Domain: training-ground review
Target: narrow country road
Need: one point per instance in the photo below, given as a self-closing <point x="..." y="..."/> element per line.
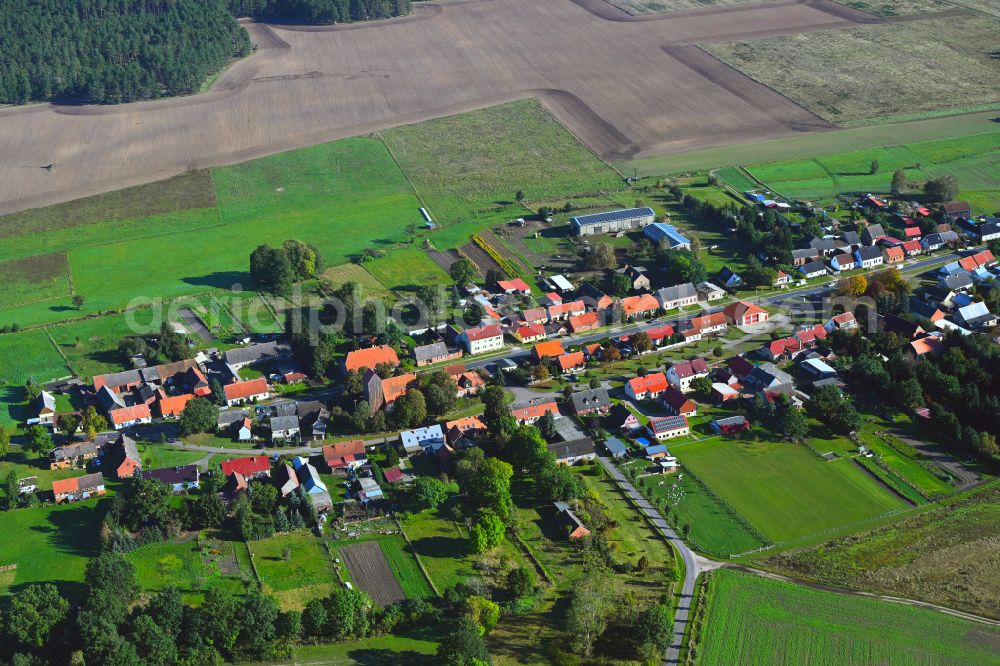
<point x="693" y="564"/>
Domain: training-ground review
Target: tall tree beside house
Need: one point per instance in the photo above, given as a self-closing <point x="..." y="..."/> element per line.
<point x="37" y="440"/>
<point x="463" y="272"/>
<point x="171" y="345"/>
<point x="898" y="181"/>
<point x="621" y="285"/>
<point x="199" y="415"/>
<point x="591" y="603"/>
<point x="497" y="417"/>
<point x="547" y="426"/>
<point x="11" y="491"/>
<point x="271" y="270"/>
<point x="792" y="423"/>
<point x="641" y="342"/>
<point x="410" y="409"/>
<point x="68" y="423"/>
<point x="943" y="188"/>
<point x="428" y="492"/>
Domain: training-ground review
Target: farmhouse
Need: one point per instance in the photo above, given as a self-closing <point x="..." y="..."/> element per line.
<point x="804" y="256"/>
<point x="78" y="454"/>
<point x="573" y="451"/>
<point x="370" y="357"/>
<point x="638" y="306"/>
<point x="637" y="275"/>
<point x="482" y="339"/>
<point x="549" y="349"/>
<point x="680" y="375"/>
<point x="569" y="523"/>
<point x="122" y="457"/>
<point x="435" y="352"/>
<point x="528" y="414"/>
<point x="529" y="333"/>
<point x="46" y="406"/>
<point x="868" y="257"/>
<point x="264" y="352"/>
<point x="427" y="438"/>
<point x="178" y="479"/>
<point x="344" y="456"/>
<point x="871" y="234"/>
<point x="594" y="298"/>
<point x="561" y="311"/>
<point x="78" y="488"/>
<point x="709" y="323"/>
<point x="678" y="296"/>
<point x="958" y="209"/>
<point x="668" y="428"/>
<point x="744" y="313"/>
<point x="592" y="401"/>
<point x="666" y="235"/>
<point x="254" y="467"/>
<point x="571" y="362"/>
<point x="645" y="388"/>
<point x="679" y="405"/>
<point x="249" y="391"/>
<point x="584" y="322"/>
<point x="844" y="321"/>
<point x="284" y="428"/>
<point x="843" y="262"/>
<point x="813" y="269"/>
<point x="515" y="286"/>
<point x="611" y="221"/>
<point x="381" y="392"/>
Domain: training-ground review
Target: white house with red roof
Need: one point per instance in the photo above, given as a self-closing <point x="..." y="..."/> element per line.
<point x="647" y="387"/>
<point x="482" y="339"/>
<point x="680" y="375"/>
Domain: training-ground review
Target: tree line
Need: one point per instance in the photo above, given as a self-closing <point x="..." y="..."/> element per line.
<point x="113" y="51"/>
<point x="320" y="11"/>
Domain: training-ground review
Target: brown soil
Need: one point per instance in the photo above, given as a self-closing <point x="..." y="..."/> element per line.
<point x="370" y="571"/>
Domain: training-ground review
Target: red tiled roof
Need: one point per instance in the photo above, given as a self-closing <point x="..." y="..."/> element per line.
<point x="534" y="315"/>
<point x="660" y="333"/>
<point x="968" y="263"/>
<point x="355" y="447"/>
<point x="573" y="307"/>
<point x="517" y="284"/>
<point x="912" y="246"/>
<point x="740" y="309"/>
<point x="534" y="411"/>
<point x="654" y="383"/>
<point x="245" y="390"/>
<point x="641" y="303"/>
<point x="696" y="366"/>
<point x="370" y="357"/>
<point x="843" y="318"/>
<point x="530" y="331"/>
<point x="912" y="232"/>
<point x="547" y="348"/>
<point x="584" y="322"/>
<point x="246" y="466"/>
<point x="129" y="414"/>
<point x="571" y="360"/>
<point x="394" y="388"/>
<point x="483" y="332"/>
<point x="77" y="483"/>
<point x="174" y="405"/>
<point x="466" y="423"/>
<point x="393" y="475"/>
<point x="709" y="321"/>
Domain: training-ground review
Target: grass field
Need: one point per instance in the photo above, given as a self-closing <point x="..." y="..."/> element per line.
<point x="193" y="565"/>
<point x="917" y="557"/>
<point x="785" y="490"/>
<point x="337" y="276"/>
<point x="751" y="619"/>
<point x="406" y="269"/>
<point x="50" y="544"/>
<point x="389" y="649"/>
<point x="402" y="563"/>
<point x="294" y="567"/>
<point x="974" y="160"/>
<point x="91" y="345"/>
<point x="29" y="355"/>
<point x="880" y="70"/>
<point x="476" y="162"/>
<point x="714" y="530"/>
<point x="443" y="549"/>
<point x="33" y="279"/>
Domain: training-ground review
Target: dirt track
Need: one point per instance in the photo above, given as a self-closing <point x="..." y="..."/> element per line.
<point x="627" y="87"/>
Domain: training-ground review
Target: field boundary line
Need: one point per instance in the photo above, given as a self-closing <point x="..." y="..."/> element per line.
<point x="730" y="509"/>
<point x="534" y="558"/>
<point x="253" y="564"/>
<point x="409" y="181"/>
<point x="416" y="556"/>
<point x="60" y="352"/>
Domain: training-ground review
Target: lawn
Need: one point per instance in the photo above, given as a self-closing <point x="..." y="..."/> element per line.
<point x="442" y="547"/>
<point x="402" y="562"/>
<point x="91" y="345"/>
<point x="370" y="287"/>
<point x="476" y="162"/>
<point x="406" y="269"/>
<point x="714" y="528"/>
<point x="784" y="490"/>
<point x="50" y="544"/>
<point x="877" y="70"/>
<point x="194" y="565"/>
<point x="29" y="355"/>
<point x="389" y="649"/>
<point x="155" y="456"/>
<point x="751" y="619"/>
<point x="918" y="557"/>
<point x="294" y="567"/>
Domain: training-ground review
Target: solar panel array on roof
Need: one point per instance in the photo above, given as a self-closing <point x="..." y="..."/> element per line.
<point x="611" y="216"/>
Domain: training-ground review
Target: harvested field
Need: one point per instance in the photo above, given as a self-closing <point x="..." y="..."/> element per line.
<point x="640" y="7"/>
<point x="478" y="256"/>
<point x="444" y="259"/>
<point x="371" y="573"/>
<point x="306" y="86"/>
<point x="879" y="70"/>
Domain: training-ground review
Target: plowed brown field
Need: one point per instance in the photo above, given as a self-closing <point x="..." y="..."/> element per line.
<point x="625" y="87"/>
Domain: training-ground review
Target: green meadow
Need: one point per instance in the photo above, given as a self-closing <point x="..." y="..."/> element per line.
<point x="751" y="619"/>
<point x="785" y="490"/>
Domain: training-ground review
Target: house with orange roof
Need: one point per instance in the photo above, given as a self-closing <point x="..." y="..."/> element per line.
<point x="584" y="322"/>
<point x="126" y="417"/>
<point x="648" y="387"/>
<point x="912" y="248"/>
<point x="253" y="467"/>
<point x="931" y="344"/>
<point x="710" y="323"/>
<point x="515" y="286"/>
<point x="482" y="339"/>
<point x="343" y="456"/>
<point x="370" y="357"/>
<point x="572" y="362"/>
<point x="381" y="392"/>
<point x="843" y="321"/>
<point x="550" y="348"/>
<point x="248" y="391"/>
<point x="894" y="255"/>
<point x="171" y="406"/>
<point x="562" y="311"/>
<point x="469" y="383"/>
<point x="78" y="488"/>
<point x="639" y="306"/>
<point x="744" y="313"/>
<point x="529" y="333"/>
<point x="530" y="413"/>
